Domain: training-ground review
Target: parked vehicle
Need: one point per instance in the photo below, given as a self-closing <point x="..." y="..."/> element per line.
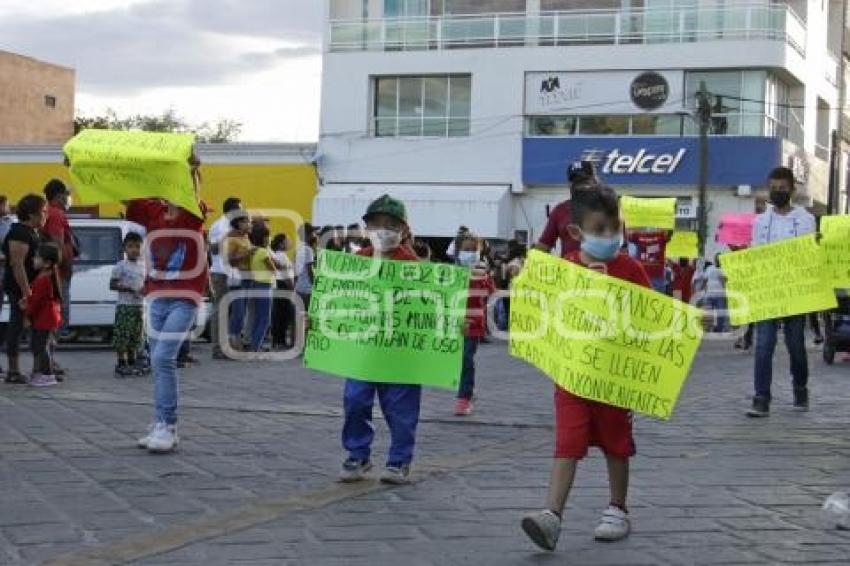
<point x="92" y="303"/>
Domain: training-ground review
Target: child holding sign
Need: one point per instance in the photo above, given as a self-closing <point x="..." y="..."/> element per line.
<point x="480" y="288"/>
<point x="386" y="226"/>
<point x="580" y="423"/>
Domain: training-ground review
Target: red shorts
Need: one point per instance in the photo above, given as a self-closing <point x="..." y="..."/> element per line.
<point x="580" y="423"/>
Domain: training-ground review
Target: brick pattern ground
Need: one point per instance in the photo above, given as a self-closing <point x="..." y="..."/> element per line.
<point x="708" y="487"/>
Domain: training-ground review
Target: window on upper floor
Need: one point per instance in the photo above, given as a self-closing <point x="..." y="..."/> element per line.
<point x="743" y="103"/>
<point x="422" y="106"/>
<point x="606" y="125"/>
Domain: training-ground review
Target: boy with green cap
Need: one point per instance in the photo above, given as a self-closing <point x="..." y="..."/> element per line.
<point x="387" y="229"/>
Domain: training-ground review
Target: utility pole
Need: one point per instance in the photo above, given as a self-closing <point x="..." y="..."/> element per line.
<point x="704" y="119"/>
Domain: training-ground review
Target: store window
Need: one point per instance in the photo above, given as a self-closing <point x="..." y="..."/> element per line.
<point x="426" y="106"/>
<point x="743" y="103"/>
<point x="611" y="125"/>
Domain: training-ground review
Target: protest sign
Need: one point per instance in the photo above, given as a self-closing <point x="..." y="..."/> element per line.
<point x="387" y="321"/>
<point x="736" y="229"/>
<point x="649" y="212"/>
<point x="836" y="247"/>
<point x="603" y="338"/>
<point x="112" y="166"/>
<point x="777" y="280"/>
<point x="683" y="245"/>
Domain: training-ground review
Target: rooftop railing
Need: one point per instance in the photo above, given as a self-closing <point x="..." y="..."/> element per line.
<point x="743" y="21"/>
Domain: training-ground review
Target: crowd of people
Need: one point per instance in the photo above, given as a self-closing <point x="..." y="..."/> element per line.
<point x="239" y="264"/>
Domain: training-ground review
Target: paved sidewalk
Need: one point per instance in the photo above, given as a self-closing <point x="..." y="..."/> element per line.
<point x="254" y="479"/>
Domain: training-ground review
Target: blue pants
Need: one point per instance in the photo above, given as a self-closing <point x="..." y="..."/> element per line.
<point x="170" y="322"/>
<point x="717" y="302"/>
<point x="794" y="328"/>
<point x="262" y="315"/>
<point x="467" y="372"/>
<point x="237" y="312"/>
<point x="400" y="405"/>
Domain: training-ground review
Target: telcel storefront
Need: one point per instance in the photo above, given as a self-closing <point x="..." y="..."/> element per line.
<point x="660" y="166"/>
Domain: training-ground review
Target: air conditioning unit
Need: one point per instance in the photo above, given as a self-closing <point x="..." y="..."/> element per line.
<point x="744" y="190"/>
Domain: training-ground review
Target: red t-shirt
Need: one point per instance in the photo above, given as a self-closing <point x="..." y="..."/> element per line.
<point x="556" y="229"/>
<point x="651" y="248"/>
<point x="682" y="279"/>
<point x="480" y="289"/>
<point x="43" y="307"/>
<point x="57" y="228"/>
<point x="178" y="261"/>
<point x="622" y="267"/>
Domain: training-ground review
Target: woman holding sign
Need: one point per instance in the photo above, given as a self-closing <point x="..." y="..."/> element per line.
<point x="174" y="288"/>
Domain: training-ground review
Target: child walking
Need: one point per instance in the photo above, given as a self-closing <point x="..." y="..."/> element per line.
<point x="128" y="278"/>
<point x="386" y="225"/>
<point x="580" y="423"/>
<point x="44" y="311"/>
<point x="480" y="288"/>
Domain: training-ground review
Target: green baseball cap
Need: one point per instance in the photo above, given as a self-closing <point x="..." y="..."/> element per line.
<point x="387" y="205"/>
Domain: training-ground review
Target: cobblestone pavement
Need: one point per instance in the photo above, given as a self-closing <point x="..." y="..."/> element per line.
<point x="254" y="479"/>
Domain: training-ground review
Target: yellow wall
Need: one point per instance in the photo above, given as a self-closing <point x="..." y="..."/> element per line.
<point x="261" y="187"/>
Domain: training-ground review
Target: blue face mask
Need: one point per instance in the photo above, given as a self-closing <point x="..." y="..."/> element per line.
<point x="603" y="248"/>
<point x="467" y="259"/>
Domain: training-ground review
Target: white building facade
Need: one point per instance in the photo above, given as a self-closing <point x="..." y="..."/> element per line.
<point x="470" y="111"/>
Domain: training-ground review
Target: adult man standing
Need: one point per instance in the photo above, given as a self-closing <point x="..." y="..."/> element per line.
<point x="57" y="230"/>
<point x="781" y="222"/>
<point x="579" y="174"/>
<point x="221" y="271"/>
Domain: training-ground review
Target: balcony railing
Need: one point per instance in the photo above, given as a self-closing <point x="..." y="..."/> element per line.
<point x="575" y="27"/>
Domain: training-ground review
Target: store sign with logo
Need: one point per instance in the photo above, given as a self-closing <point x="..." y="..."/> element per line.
<point x="604" y="92"/>
<point x="652" y="160"/>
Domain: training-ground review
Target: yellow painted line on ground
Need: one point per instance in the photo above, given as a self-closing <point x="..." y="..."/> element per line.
<point x="146" y="545"/>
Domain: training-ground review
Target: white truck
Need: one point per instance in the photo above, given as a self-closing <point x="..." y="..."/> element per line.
<point x="92" y="303"/>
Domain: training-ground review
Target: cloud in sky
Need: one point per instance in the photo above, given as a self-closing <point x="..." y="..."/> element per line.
<point x="257" y="61"/>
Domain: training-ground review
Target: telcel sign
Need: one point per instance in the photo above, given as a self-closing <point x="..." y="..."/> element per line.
<point x="641" y="163"/>
<point x="650" y="160"/>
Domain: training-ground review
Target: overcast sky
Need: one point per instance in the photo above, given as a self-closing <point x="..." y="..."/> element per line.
<point x="255" y="61"/>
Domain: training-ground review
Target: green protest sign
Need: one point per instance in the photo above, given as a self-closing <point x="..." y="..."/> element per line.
<point x="387" y="321"/>
<point x="836" y="248"/>
<point x="113" y="166"/>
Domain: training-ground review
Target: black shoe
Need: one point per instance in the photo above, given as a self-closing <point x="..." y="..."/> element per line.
<point x="760" y="409"/>
<point x="801" y="399"/>
<point x="16" y="378"/>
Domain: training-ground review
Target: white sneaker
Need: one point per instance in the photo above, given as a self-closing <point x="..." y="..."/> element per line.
<point x="43" y="380"/>
<point x="143" y="441"/>
<point x="543" y="528"/>
<point x="614" y="525"/>
<point x="162" y="439"/>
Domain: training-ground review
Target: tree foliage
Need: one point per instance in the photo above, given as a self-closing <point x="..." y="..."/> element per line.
<point x="222" y="130"/>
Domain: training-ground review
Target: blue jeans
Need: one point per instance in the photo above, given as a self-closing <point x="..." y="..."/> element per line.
<point x="717" y="302"/>
<point x="237" y="312"/>
<point x="262" y="314"/>
<point x="794" y="328"/>
<point x="400" y="405"/>
<point x="467" y="372"/>
<point x="659" y="284"/>
<point x="173" y="318"/>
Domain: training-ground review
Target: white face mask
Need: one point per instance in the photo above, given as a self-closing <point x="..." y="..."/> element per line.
<point x="384" y="240"/>
<point x="467" y="259"/>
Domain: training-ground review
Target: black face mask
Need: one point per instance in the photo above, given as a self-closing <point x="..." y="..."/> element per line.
<point x="780" y="199"/>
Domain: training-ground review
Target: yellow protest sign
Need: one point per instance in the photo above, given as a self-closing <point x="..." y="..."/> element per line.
<point x="683" y="245"/>
<point x="603" y="338"/>
<point x="649" y="212"/>
<point x="777" y="280"/>
<point x="836" y="247"/>
<point x="112" y="166"/>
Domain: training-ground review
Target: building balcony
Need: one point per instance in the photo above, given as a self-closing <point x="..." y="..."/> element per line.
<point x="742" y="21"/>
